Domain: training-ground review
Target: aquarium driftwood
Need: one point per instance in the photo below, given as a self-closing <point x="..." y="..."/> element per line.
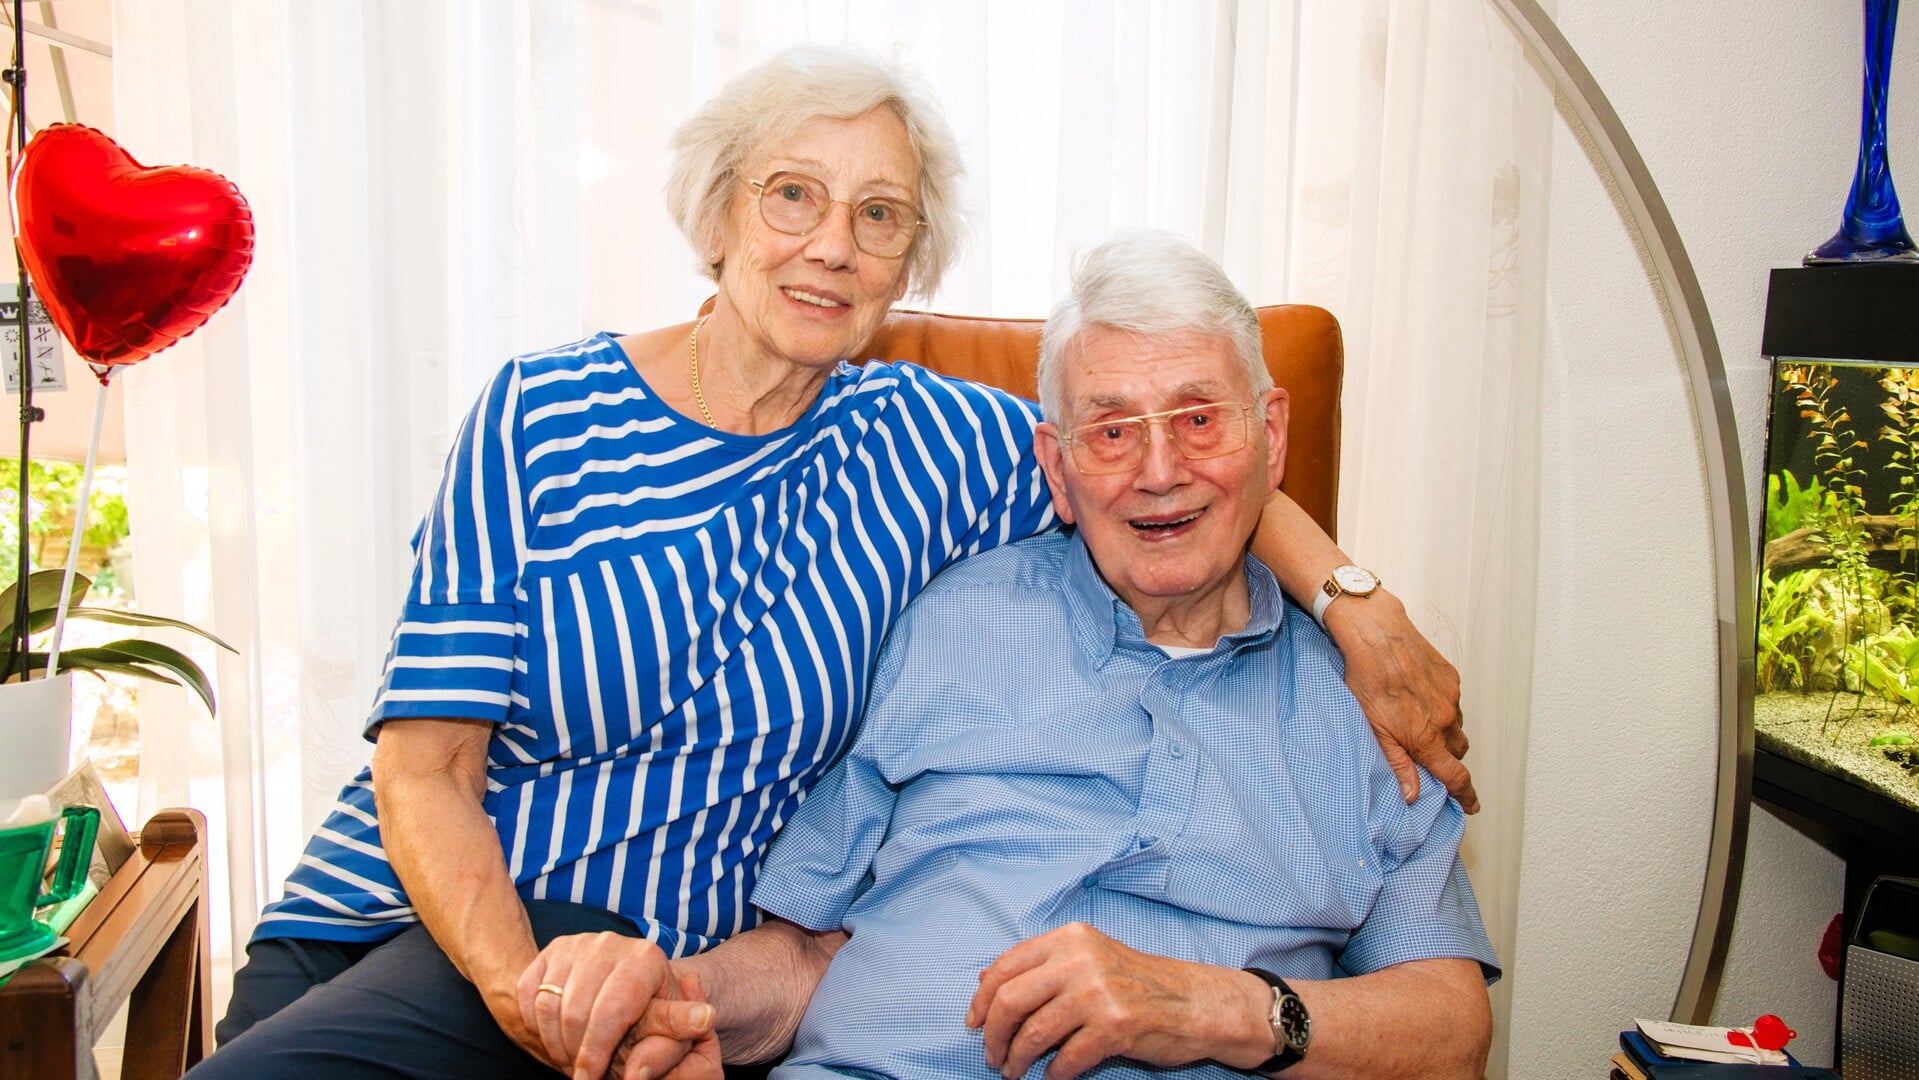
<point x="1885" y="545"/>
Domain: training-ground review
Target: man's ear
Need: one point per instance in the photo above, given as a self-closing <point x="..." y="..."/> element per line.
<point x="1052" y="462"/>
<point x="1277" y="411"/>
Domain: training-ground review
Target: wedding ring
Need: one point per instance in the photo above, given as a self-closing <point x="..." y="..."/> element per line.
<point x="549" y="988"/>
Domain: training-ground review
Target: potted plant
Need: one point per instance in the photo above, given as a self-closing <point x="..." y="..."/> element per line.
<point x="30" y="710"/>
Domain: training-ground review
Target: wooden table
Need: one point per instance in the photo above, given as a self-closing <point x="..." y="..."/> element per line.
<point x="142" y="941"/>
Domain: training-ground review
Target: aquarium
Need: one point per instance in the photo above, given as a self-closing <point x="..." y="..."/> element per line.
<point x="1837" y="657"/>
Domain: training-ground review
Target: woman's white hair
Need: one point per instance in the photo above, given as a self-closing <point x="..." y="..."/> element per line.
<point x="1153" y="284"/>
<point x="769" y="102"/>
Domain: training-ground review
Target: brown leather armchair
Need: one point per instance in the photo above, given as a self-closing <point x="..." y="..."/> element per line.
<point x="1303" y="350"/>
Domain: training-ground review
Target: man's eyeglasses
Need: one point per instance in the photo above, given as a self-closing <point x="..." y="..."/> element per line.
<point x="795" y="204"/>
<point x="1198" y="432"/>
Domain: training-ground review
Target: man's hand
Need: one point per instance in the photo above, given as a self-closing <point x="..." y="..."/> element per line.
<point x="1093" y="998"/>
<point x="1409" y="692"/>
<point x="616" y="996"/>
<point x="666" y="1056"/>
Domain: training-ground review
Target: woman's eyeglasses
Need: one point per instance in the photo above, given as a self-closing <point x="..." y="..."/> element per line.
<point x="1198" y="432"/>
<point x="795" y="204"/>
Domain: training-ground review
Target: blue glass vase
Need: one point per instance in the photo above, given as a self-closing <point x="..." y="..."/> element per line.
<point x="1873" y="229"/>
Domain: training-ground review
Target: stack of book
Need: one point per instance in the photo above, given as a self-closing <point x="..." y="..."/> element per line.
<point x="1659" y="1051"/>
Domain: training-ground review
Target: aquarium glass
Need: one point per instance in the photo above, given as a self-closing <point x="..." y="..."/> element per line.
<point x="1838" y="651"/>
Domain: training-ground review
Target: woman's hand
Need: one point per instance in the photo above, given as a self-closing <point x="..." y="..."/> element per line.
<point x="1409" y="692"/>
<point x="594" y="1000"/>
<point x="429" y="780"/>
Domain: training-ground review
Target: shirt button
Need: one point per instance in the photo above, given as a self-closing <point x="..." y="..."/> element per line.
<point x="1091" y="882"/>
<point x="1147" y="841"/>
<point x="1178" y="750"/>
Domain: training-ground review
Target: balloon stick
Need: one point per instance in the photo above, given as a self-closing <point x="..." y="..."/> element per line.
<point x="79" y="522"/>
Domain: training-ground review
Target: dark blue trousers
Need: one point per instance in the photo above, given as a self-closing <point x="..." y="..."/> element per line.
<point x="388" y="1010"/>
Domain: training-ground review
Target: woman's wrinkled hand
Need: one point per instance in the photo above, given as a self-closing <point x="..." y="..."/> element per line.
<point x="1409" y="693"/>
<point x="588" y="997"/>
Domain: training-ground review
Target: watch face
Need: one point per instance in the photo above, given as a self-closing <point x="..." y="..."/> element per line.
<point x="1294" y="1024"/>
<point x="1355" y="579"/>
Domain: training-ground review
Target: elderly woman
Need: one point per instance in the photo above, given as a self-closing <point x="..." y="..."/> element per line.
<point x="648" y="598"/>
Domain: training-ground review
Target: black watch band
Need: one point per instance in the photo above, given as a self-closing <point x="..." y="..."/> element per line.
<point x="1292" y="1028"/>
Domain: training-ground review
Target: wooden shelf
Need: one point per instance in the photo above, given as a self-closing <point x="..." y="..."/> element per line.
<point x="141" y="942"/>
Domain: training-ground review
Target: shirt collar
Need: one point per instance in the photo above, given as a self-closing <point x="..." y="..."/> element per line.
<point x="1101" y="623"/>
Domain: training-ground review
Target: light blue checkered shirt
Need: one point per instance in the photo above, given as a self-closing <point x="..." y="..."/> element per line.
<point x="1029" y="760"/>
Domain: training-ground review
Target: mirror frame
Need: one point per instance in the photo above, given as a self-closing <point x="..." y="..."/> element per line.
<point x="1624" y="173"/>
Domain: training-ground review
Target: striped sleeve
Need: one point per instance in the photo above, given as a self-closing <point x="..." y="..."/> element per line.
<point x="452" y="652"/>
<point x="999" y="491"/>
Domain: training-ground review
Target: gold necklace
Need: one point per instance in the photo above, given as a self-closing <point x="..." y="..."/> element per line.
<point x="693" y="356"/>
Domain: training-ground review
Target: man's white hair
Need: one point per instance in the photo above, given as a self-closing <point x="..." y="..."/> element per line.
<point x="1153" y="284"/>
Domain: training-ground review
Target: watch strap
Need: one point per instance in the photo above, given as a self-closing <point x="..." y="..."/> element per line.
<point x="1328" y="592"/>
<point x="1331" y="590"/>
<point x="1286" y="1054"/>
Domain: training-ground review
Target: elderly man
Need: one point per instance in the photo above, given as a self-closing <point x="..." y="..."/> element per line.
<point x="1071" y="826"/>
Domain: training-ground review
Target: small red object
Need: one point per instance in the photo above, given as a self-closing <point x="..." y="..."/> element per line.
<point x="1768" y="1033"/>
<point x="1771" y="1033"/>
<point x="1829" y="947"/>
<point x="127" y="259"/>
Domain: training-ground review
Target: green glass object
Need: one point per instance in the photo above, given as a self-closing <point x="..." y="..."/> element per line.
<point x="23" y="861"/>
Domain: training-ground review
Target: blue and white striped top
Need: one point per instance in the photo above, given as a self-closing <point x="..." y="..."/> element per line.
<point x="671" y="627"/>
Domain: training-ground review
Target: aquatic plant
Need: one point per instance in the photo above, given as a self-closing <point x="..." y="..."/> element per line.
<point x="1899" y="748"/>
<point x="1901" y="407"/>
<point x="1889" y="664"/>
<point x="1790" y="625"/>
<point x="1835" y="448"/>
<point x="1790" y="507"/>
<point x="1799" y="646"/>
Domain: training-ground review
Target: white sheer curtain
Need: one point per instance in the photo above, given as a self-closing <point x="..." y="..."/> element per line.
<point x="439" y="185"/>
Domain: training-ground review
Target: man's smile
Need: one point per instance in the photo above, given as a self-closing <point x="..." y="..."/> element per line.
<point x="1161" y="526"/>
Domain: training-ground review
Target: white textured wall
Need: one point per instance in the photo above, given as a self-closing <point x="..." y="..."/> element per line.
<point x="1746" y="114"/>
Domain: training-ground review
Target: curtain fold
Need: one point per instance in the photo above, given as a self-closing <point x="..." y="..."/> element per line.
<point x="1424" y="154"/>
<point x="439" y="185"/>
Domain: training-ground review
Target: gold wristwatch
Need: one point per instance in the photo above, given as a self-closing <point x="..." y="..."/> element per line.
<point x="1348" y="580"/>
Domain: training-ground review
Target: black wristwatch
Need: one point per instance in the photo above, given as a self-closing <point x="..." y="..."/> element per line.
<point x="1292" y="1028"/>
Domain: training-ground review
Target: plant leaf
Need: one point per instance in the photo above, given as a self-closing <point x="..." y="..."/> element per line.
<point x="43" y="595"/>
<point x="137" y="618"/>
<point x="151" y="654"/>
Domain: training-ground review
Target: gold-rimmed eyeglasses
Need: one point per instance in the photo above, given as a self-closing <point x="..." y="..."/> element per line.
<point x="1198" y="432"/>
<point x="795" y="204"/>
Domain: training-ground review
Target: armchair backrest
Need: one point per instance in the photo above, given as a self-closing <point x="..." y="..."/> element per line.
<point x="1303" y="350"/>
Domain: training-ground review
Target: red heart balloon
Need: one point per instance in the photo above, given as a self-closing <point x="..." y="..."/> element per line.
<point x="127" y="259"/>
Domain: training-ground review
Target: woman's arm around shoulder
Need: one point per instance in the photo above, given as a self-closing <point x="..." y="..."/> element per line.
<point x="1409" y="692"/>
